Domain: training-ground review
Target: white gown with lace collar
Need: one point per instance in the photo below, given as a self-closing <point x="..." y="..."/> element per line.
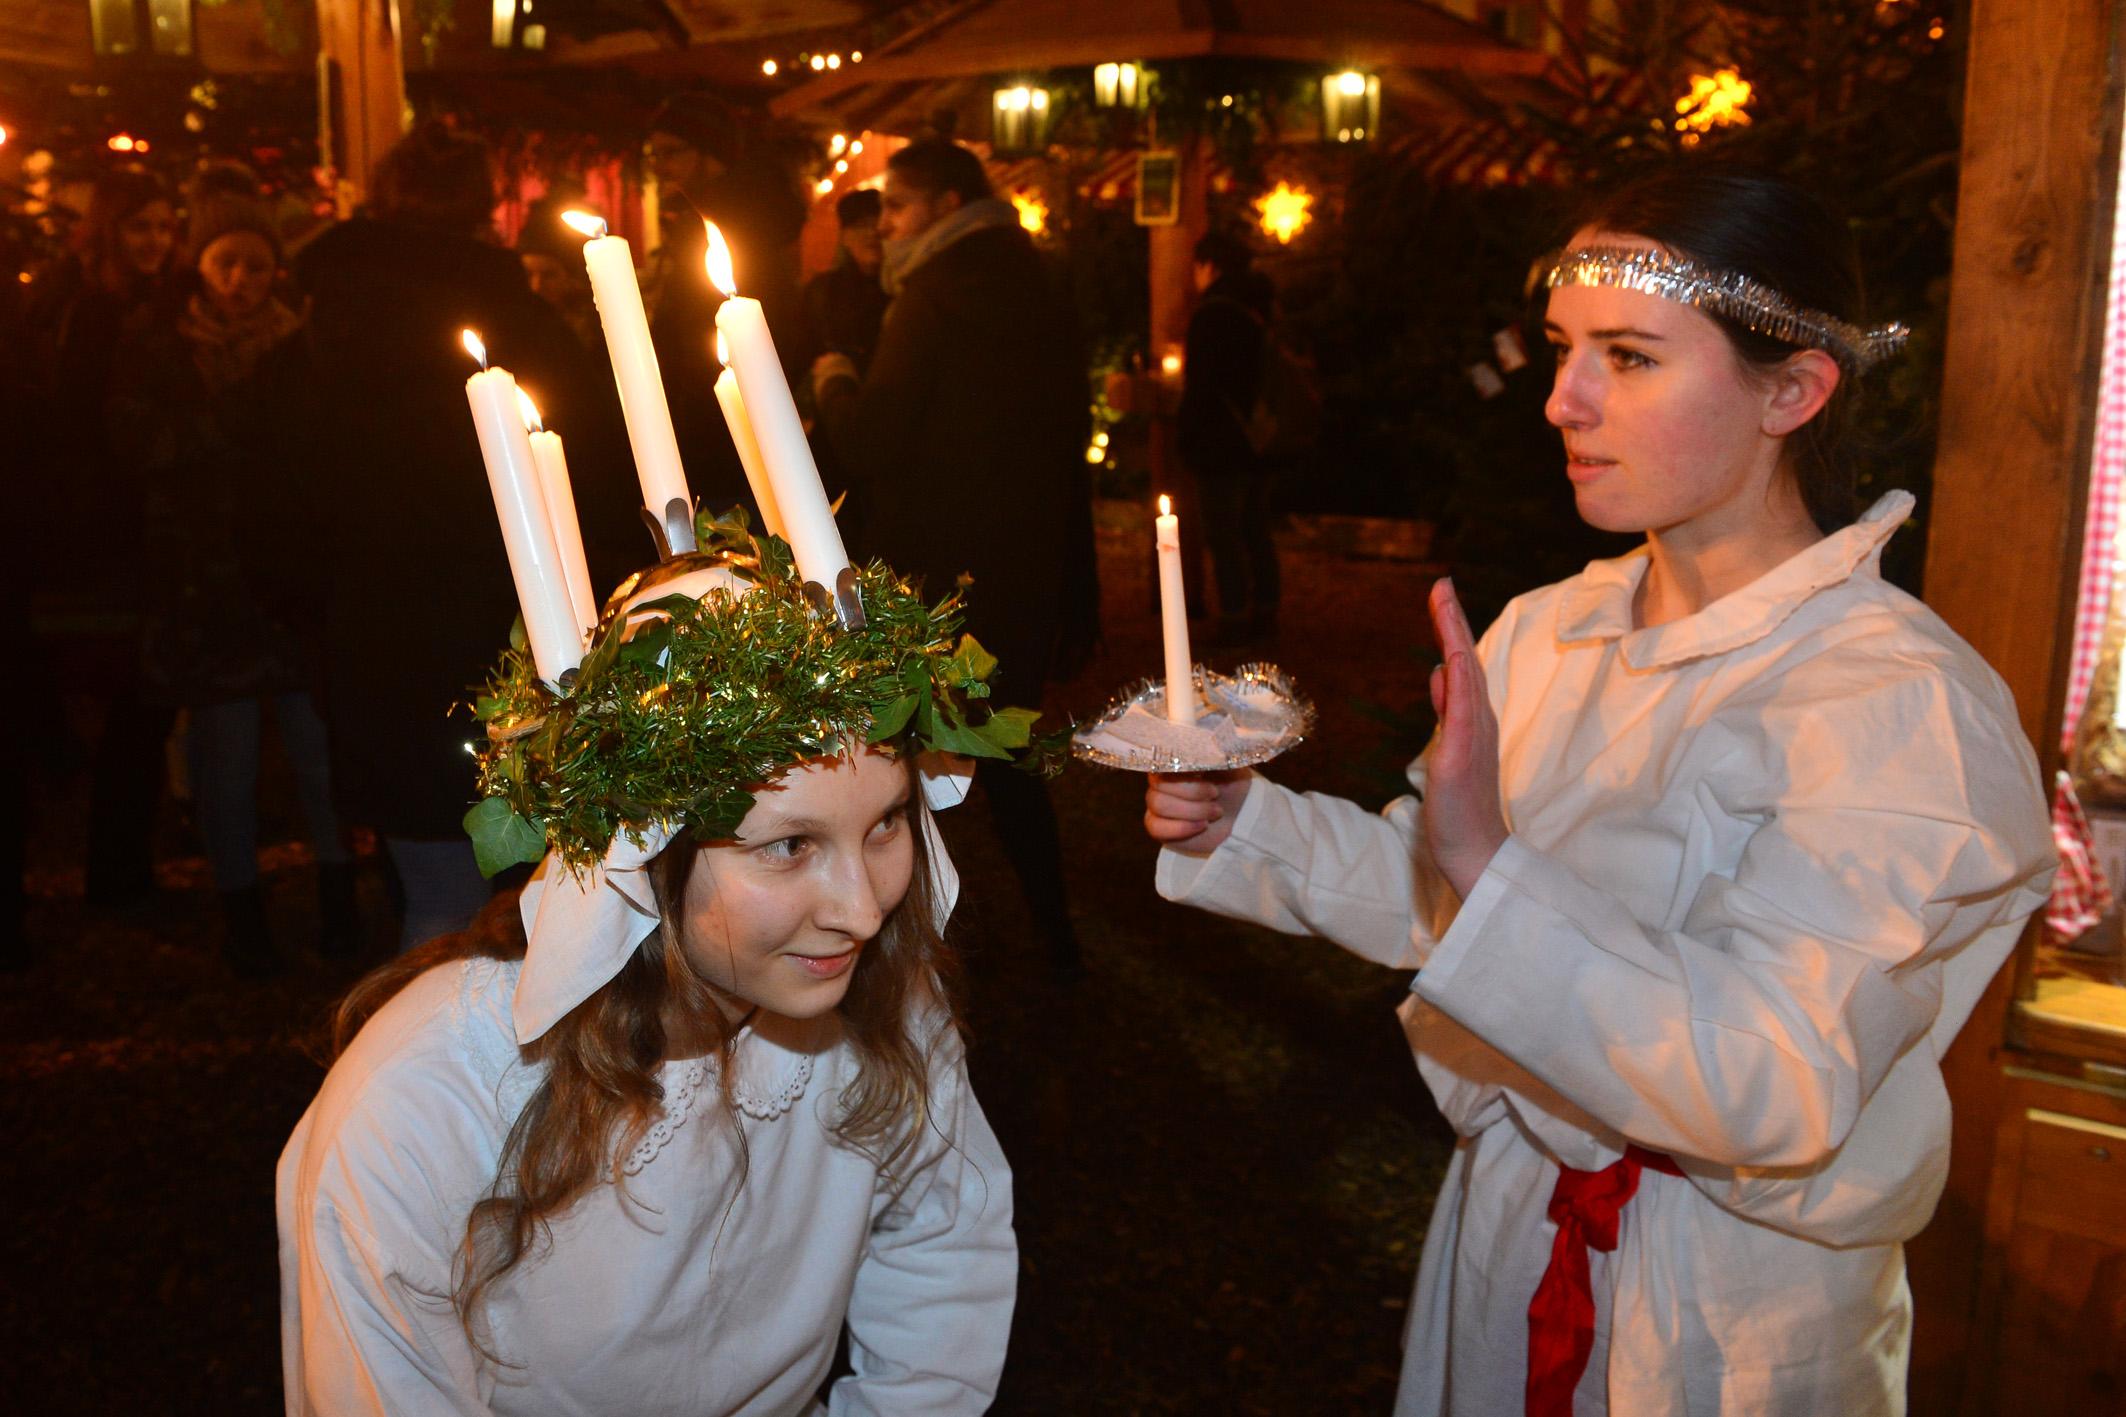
<point x="715" y="1279"/>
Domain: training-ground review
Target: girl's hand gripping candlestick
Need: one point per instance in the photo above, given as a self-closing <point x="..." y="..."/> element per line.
<point x="1173" y="617"/>
<point x="527" y="533"/>
<point x="667" y="506"/>
<point x="734" y="414"/>
<point x="552" y="463"/>
<point x="801" y="501"/>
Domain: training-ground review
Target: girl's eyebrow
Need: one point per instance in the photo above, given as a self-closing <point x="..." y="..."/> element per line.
<point x="778" y="825"/>
<point x="1620" y="332"/>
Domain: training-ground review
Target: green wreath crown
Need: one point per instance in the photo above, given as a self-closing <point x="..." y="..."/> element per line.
<point x="675" y="720"/>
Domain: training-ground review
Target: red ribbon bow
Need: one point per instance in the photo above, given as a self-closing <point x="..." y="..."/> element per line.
<point x="1586" y="1207"/>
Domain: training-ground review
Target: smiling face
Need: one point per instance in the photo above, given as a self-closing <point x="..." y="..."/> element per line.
<point x="1666" y="430"/>
<point x="776" y="919"/>
<point x="146" y="237"/>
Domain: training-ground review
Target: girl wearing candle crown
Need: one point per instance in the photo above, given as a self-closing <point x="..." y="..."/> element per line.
<point x="1715" y="849"/>
<point x="650" y="1139"/>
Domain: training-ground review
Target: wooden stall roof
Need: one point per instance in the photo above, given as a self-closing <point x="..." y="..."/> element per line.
<point x="946" y="62"/>
<point x="54" y="34"/>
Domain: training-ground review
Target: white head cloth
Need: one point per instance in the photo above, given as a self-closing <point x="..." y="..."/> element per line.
<point x="583" y="928"/>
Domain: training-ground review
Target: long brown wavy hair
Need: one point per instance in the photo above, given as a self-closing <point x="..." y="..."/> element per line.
<point x="601" y="1095"/>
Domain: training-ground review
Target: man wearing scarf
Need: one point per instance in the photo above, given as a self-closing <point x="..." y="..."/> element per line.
<point x="964" y="442"/>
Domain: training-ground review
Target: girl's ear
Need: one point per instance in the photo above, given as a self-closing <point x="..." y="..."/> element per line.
<point x="1800" y="389"/>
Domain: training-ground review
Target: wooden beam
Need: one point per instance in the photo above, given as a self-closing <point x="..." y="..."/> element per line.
<point x="2032" y="254"/>
<point x="362" y="79"/>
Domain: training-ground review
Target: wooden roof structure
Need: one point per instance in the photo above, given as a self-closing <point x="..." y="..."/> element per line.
<point x="950" y="62"/>
<point x="226" y="39"/>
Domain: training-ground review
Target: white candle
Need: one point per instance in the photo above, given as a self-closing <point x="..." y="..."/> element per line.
<point x="800" y="500"/>
<point x="1173" y="617"/>
<point x="520" y="506"/>
<point x="627" y="340"/>
<point x="734" y="414"/>
<point x="552" y="463"/>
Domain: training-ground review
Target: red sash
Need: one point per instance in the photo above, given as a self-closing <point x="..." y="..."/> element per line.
<point x="1585" y="1207"/>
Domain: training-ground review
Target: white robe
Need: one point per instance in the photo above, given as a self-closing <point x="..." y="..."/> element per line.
<point x="1763" y="862"/>
<point x="714" y="1283"/>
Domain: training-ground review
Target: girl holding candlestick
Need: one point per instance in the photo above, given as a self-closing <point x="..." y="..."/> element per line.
<point x="1717" y="846"/>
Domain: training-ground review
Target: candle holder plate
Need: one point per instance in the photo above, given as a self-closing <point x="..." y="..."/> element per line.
<point x="1250" y="716"/>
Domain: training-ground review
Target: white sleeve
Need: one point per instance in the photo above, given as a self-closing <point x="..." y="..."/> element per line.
<point x="1906" y="828"/>
<point x="368" y="1341"/>
<point x="930" y="1313"/>
<point x="1312" y="864"/>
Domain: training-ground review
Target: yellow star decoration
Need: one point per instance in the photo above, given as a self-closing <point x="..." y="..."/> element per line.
<point x="1715" y="100"/>
<point x="1284" y="210"/>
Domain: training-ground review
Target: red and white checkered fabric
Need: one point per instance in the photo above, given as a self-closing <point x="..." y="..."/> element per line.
<point x="2080" y="894"/>
<point x="2079" y="884"/>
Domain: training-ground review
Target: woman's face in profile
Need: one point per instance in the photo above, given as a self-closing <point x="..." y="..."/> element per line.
<point x="777" y="918"/>
<point x="1662" y="426"/>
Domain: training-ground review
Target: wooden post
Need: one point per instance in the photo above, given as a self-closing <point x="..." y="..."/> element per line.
<point x="362" y="90"/>
<point x="1173" y="293"/>
<point x="2040" y="161"/>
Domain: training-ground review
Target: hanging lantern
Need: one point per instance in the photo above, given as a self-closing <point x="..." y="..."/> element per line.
<point x="1350" y="107"/>
<point x="1117" y="85"/>
<point x="117" y="27"/>
<point x="1019" y="120"/>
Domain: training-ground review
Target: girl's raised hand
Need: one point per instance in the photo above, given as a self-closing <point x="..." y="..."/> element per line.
<point x="1464" y="824"/>
<point x="1194" y="812"/>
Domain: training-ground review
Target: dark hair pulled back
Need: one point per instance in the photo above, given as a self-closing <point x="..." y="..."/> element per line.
<point x="1774" y="232"/>
<point x="935" y="166"/>
<point x="436" y="177"/>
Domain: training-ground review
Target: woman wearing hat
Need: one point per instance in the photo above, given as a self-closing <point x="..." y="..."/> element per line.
<point x="189" y="413"/>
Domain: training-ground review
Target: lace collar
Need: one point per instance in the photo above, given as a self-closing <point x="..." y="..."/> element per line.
<point x="774" y="1061"/>
<point x="1596" y="605"/>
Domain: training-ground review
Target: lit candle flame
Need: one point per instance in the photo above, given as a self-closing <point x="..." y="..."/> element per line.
<point x="532" y="422"/>
<point x="585" y="224"/>
<point x="719" y="261"/>
<point x="473" y="347"/>
<point x="1166" y="505"/>
<point x="723" y="350"/>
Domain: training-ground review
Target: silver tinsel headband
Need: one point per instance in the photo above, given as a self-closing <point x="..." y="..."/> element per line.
<point x="1729" y="293"/>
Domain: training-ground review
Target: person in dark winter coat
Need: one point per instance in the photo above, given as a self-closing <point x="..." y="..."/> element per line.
<point x="185" y="413"/>
<point x="1222" y="375"/>
<point x="127" y="260"/>
<point x="966" y="439"/>
<point x="416" y="584"/>
<point x="710" y="164"/>
<point x="845" y="305"/>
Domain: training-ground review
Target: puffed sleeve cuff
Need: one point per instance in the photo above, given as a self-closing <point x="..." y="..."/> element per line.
<point x="1221" y="881"/>
<point x="1311" y="864"/>
<point x="1461" y="970"/>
